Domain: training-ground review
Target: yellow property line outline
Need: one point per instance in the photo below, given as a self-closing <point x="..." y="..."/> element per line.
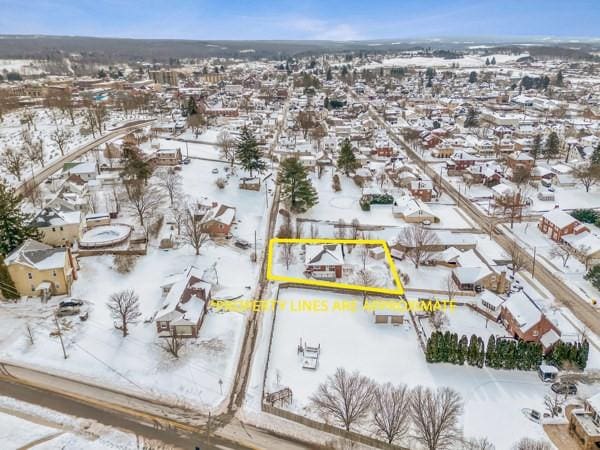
<point x="388" y="257"/>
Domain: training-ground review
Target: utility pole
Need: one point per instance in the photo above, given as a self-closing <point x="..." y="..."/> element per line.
<point x="62" y="344"/>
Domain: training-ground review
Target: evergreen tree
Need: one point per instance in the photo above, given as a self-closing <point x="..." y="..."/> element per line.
<point x="595" y="158"/>
<point x="7" y="287"/>
<point x="453" y="351"/>
<point x="295" y="185"/>
<point x="593" y="276"/>
<point x="347" y="161"/>
<point x="14" y="224"/>
<point x="446" y="343"/>
<point x="471" y="119"/>
<point x="463" y="345"/>
<point x="582" y="356"/>
<point x="472" y="351"/>
<point x="473" y="77"/>
<point x="191" y="106"/>
<point x="522" y="362"/>
<point x="493" y="60"/>
<point x="490" y="353"/>
<point x="487" y="61"/>
<point x="429" y="349"/>
<point x="559" y="78"/>
<point x="326" y="103"/>
<point x="536" y="147"/>
<point x="248" y="153"/>
<point x="480" y="353"/>
<point x="329" y="77"/>
<point x="552" y="146"/>
<point x="510" y="356"/>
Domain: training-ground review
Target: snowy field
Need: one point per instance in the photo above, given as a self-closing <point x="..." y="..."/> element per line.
<point x="466" y="61"/>
<point x="45" y="123"/>
<point x="392" y="353"/>
<point x="23" y="426"/>
<point x="97" y="351"/>
<point x="344" y="205"/>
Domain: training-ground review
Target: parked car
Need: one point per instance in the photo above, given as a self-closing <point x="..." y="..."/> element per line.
<point x="242" y="244"/>
<point x="564" y="388"/>
<point x="186" y="161"/>
<point x="70" y="303"/>
<point x="67" y="311"/>
<point x="215" y="170"/>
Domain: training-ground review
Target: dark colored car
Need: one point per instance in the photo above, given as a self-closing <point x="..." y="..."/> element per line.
<point x="70" y="303"/>
<point x="564" y="388"/>
<point x="242" y="244"/>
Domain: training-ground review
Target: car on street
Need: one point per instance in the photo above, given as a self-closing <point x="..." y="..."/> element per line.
<point x="67" y="311"/>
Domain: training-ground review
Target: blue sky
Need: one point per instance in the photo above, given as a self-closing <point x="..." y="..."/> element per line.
<point x="301" y="19"/>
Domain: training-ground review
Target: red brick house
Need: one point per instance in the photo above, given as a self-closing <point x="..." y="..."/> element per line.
<point x="524" y="320"/>
<point x="324" y="260"/>
<point x="184" y="306"/>
<point x="557" y="224"/>
<point x="460" y="160"/>
<point x="422" y="189"/>
<point x="217" y="221"/>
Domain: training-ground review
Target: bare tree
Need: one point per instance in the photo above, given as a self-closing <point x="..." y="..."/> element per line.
<point x="435" y="416"/>
<point x="13" y="162"/>
<point x="391" y="411"/>
<point x="355" y="230"/>
<point x="553" y="405"/>
<point x="172" y="344"/>
<point x="417" y="241"/>
<point x="286" y="231"/>
<point x="588" y="176"/>
<point x="364" y="276"/>
<point x="314" y="231"/>
<point x="563" y="251"/>
<point x="124" y="307"/>
<point x="143" y="199"/>
<point x="518" y="259"/>
<point x="192" y="231"/>
<point x="346" y="398"/>
<point x="450" y="287"/>
<point x="180" y="210"/>
<point x="170" y="180"/>
<point x="195" y="122"/>
<point x="61" y="138"/>
<point x="532" y="444"/>
<point x="34" y="151"/>
<point x="478" y="444"/>
<point x="438" y="320"/>
<point x="227" y="146"/>
<point x="340" y="229"/>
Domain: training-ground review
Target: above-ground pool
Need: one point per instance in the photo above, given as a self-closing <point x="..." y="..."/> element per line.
<point x="105" y="235"/>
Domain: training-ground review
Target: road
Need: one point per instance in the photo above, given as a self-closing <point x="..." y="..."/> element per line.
<point x="55" y="165"/>
<point x="568" y="297"/>
<point x="172" y="425"/>
<point x="243" y="370"/>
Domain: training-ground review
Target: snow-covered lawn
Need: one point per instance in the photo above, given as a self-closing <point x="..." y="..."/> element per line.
<point x="530" y="236"/>
<point x="17" y="433"/>
<point x="98" y="352"/>
<point x="464" y="320"/>
<point x="493" y="398"/>
<point x="344" y="205"/>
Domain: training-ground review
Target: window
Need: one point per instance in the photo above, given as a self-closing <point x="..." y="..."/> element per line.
<point x="61" y="228"/>
<point x="29" y="275"/>
<point x="32" y="288"/>
<point x="54" y="273"/>
<point x="53" y="229"/>
<point x="535" y="332"/>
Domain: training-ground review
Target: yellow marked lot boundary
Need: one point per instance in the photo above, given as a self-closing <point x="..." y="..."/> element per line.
<point x="399" y="290"/>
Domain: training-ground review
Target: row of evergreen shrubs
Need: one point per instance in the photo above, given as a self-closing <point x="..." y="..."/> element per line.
<point x="587" y="216"/>
<point x="501" y="353"/>
<point x="375" y="199"/>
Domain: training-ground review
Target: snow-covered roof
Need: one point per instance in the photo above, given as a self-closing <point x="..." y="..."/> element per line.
<point x="324" y="255"/>
<point x="38" y="256"/>
<point x="559" y="218"/>
<point x="549" y="338"/>
<point x="523" y="310"/>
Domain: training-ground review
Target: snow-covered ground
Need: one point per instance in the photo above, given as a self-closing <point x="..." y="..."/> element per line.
<point x="392" y="353"/>
<point x="203" y="374"/>
<point x="466" y="61"/>
<point x="344" y="205"/>
<point x="23" y="425"/>
<point x="530" y="236"/>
